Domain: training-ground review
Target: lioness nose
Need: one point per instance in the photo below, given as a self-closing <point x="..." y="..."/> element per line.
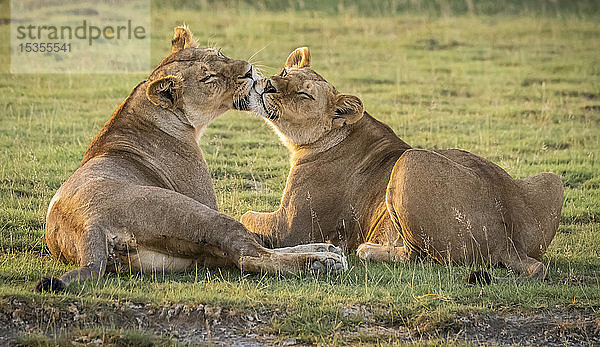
<point x="269" y="88"/>
<point x="248" y="74"/>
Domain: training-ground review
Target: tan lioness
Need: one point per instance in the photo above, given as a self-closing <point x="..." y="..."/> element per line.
<point x="143" y="198"/>
<point x="355" y="183"/>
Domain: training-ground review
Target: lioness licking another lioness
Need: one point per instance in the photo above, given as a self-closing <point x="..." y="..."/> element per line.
<point x="355" y="183"/>
<point x="143" y="198"/>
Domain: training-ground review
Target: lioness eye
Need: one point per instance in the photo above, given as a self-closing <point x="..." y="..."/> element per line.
<point x="208" y="78"/>
<point x="305" y="95"/>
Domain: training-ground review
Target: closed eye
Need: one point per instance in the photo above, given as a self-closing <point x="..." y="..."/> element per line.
<point x="305" y="95"/>
<point x="208" y="78"/>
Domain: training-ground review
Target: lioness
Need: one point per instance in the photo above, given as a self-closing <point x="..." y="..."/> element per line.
<point x="143" y="198"/>
<point x="355" y="183"/>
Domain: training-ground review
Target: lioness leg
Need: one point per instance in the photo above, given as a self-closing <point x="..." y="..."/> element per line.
<point x="93" y="263"/>
<point x="181" y="226"/>
<point x="543" y="193"/>
<point x="161" y="221"/>
<point x="533" y="203"/>
<point x="461" y="214"/>
<point x="447" y="210"/>
<point x="264" y="224"/>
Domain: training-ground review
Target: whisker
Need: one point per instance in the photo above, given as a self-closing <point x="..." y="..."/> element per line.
<point x="260" y="50"/>
<point x="258" y="68"/>
<point x="211" y="42"/>
<point x="258" y="63"/>
<point x="262" y="66"/>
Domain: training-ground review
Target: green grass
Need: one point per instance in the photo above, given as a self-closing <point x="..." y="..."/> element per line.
<point x="111" y="337"/>
<point x="515" y="82"/>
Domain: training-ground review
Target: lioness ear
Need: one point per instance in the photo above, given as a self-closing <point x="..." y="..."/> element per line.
<point x="299" y="58"/>
<point x="182" y="38"/>
<point x="165" y="92"/>
<point x="348" y="110"/>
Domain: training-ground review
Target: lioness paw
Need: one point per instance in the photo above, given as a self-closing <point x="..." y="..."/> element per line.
<point x="328" y="262"/>
<point x="382" y="253"/>
<point x="367" y="250"/>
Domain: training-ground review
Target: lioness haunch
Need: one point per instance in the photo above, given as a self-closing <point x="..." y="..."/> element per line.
<point x="143" y="198"/>
<point x="355" y="183"/>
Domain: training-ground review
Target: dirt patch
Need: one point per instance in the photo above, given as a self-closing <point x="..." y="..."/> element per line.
<point x="541" y="328"/>
<point x="202" y="324"/>
<point x="544" y="328"/>
<point x="188" y="324"/>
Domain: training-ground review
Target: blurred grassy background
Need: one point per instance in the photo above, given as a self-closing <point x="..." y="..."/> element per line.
<point x="517" y="82"/>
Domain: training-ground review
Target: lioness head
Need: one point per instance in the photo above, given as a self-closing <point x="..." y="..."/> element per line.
<point x="200" y="82"/>
<point x="300" y="104"/>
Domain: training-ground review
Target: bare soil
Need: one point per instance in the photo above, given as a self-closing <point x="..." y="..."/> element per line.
<point x="203" y="324"/>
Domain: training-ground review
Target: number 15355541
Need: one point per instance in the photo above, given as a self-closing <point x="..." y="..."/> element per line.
<point x="43" y="47"/>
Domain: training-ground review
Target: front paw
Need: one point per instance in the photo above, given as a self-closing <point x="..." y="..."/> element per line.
<point x="367" y="250"/>
<point x="328" y="262"/>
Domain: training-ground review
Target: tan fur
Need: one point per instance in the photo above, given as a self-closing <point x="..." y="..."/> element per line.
<point x="143" y="198"/>
<point x="353" y="182"/>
